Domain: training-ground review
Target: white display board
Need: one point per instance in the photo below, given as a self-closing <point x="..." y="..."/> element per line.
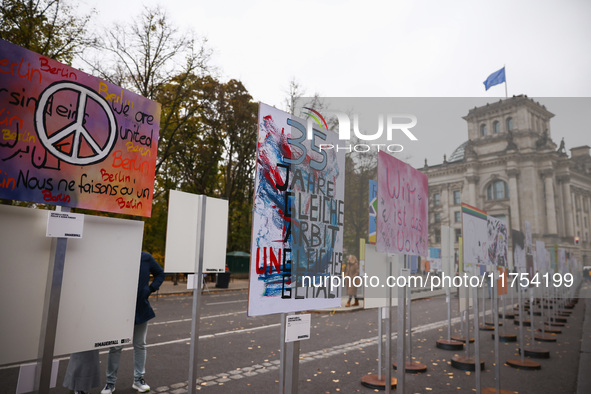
<point x="377" y="265"/>
<point x="183" y="233"/>
<point x="475" y="238"/>
<point x="99" y="281"/>
<point x="447" y="251"/>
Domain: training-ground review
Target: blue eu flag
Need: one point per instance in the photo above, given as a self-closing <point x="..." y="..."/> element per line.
<point x="495" y="78"/>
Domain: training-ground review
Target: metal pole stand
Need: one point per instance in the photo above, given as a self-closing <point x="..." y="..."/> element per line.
<point x="378" y="381"/>
<point x="55" y="275"/>
<point x="468" y="363"/>
<point x="410" y="366"/>
<point x="522" y="363"/>
<point x="449" y="343"/>
<point x="193" y="360"/>
<point x="289" y="367"/>
<point x="496" y="336"/>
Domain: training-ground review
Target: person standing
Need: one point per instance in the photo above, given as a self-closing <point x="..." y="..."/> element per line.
<point x="352" y="271"/>
<point x="143" y="313"/>
<point x="83" y="372"/>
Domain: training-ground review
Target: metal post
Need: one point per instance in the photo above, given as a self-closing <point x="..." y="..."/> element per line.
<point x="466" y="332"/>
<point x="401" y="342"/>
<point x="542" y="314"/>
<point x="53" y="290"/>
<point x="521" y="317"/>
<point x="408" y="325"/>
<point x="448" y="299"/>
<point x="292" y="364"/>
<point x="193" y="360"/>
<point x="496" y="322"/>
<point x="476" y="342"/>
<point x="531" y="314"/>
<point x="380" y="340"/>
<point x="388" y="366"/>
<point x="283" y="318"/>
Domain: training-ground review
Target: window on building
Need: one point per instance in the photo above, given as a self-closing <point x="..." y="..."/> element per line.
<point x="585" y="221"/>
<point x="458" y="234"/>
<point x="437" y="217"/>
<point x="437" y="237"/>
<point x="497" y="190"/>
<point x="509" y="123"/>
<point x="457" y="197"/>
<point x="482" y="130"/>
<point x="496" y="127"/>
<point x="458" y="216"/>
<point x="436" y="199"/>
<point x="578" y="221"/>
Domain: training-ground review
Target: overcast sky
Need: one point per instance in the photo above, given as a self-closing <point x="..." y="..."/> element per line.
<point x="427" y="48"/>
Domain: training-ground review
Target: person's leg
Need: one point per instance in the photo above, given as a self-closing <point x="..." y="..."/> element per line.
<point x="139" y="350"/>
<point x="113" y="364"/>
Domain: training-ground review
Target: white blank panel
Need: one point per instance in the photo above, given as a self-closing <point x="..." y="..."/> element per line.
<point x="216" y="235"/>
<point x="24" y="261"/>
<point x="183" y="233"/>
<point x="99" y="286"/>
<point x="377" y="264"/>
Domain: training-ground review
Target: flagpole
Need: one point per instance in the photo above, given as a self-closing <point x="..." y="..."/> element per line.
<point x="506" y="96"/>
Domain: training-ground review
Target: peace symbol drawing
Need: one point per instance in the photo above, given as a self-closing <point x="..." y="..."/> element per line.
<point x="82" y="133"/>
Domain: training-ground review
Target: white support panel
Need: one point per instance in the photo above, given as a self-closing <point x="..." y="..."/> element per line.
<point x="377" y="265"/>
<point x="183" y="232"/>
<point x="100" y="281"/>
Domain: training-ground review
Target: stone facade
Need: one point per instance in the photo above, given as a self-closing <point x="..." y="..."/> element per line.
<point x="511" y="168"/>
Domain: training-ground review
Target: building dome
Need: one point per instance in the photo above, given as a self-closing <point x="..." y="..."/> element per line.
<point x="458" y="154"/>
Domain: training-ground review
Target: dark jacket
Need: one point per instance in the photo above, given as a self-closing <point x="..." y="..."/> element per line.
<point x="143" y="310"/>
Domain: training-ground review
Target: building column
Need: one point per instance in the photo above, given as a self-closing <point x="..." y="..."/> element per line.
<point x="445" y="201"/>
<point x="550" y="202"/>
<point x="472" y="181"/>
<point x="567" y="205"/>
<point x="514" y="199"/>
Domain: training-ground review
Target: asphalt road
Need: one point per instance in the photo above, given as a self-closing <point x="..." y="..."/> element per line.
<point x="241" y="354"/>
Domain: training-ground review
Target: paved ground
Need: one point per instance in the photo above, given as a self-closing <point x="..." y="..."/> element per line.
<point x="239" y="354"/>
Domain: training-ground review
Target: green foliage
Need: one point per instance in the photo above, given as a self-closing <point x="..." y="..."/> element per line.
<point x="48" y="27"/>
<point x="208" y="129"/>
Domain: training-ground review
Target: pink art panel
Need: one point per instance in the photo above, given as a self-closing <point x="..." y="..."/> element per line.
<point x="70" y="139"/>
<point x="403" y="197"/>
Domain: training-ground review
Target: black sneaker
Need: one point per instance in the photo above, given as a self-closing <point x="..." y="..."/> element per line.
<point x="109" y="388"/>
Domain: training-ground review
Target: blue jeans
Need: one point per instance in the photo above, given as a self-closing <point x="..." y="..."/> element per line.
<point x="139" y="355"/>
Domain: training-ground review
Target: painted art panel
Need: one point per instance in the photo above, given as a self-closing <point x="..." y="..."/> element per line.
<point x="498" y="242"/>
<point x="562" y="266"/>
<point x="403" y="214"/>
<point x="542" y="258"/>
<point x="519" y="260"/>
<point x="70" y="139"/>
<point x="528" y="238"/>
<point x="298" y="216"/>
<point x="474" y="237"/>
<point x="373" y="209"/>
<point x="435" y="259"/>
